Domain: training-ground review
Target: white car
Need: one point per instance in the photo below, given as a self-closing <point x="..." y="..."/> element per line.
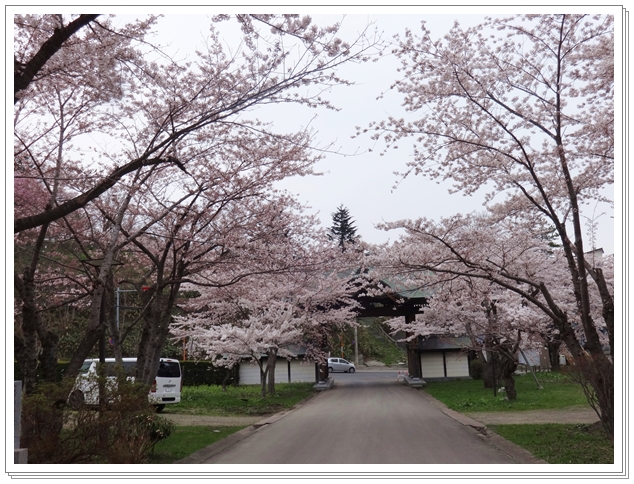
<point x="339" y="364"/>
<point x="166" y="388"/>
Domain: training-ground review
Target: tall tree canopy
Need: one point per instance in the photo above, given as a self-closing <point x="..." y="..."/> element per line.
<point x="522" y="107"/>
<point x="121" y="152"/>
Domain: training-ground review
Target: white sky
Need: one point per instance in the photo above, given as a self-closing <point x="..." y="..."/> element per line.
<point x="364" y="181"/>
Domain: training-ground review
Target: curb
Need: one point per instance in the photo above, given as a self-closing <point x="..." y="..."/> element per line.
<point x="514" y="451"/>
<point x="200" y="456"/>
<point x="324" y="385"/>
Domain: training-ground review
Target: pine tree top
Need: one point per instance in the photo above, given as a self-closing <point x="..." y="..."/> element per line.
<point x="343" y="227"/>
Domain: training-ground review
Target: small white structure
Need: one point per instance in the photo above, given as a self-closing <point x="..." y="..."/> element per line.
<point x="286" y="371"/>
<point x="444" y="357"/>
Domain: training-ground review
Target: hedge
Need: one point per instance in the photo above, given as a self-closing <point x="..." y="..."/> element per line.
<point x="195" y="373"/>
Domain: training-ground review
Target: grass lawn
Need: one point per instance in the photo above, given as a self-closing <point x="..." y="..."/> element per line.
<point x="187" y="440"/>
<point x="560" y="443"/>
<point x="211" y="400"/>
<point x="240" y="400"/>
<point x="471" y="396"/>
<point x="554" y="443"/>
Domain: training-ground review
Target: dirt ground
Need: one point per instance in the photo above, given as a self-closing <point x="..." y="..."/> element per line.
<point x="565" y="416"/>
<point x="188" y="420"/>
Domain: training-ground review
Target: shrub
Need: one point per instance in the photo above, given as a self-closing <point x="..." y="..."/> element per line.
<point x="194" y="373"/>
<point x="476" y="369"/>
<point x="197" y="373"/>
<point x="123" y="431"/>
<point x="136" y="436"/>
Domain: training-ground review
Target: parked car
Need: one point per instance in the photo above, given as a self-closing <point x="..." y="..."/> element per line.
<point x="339" y="364"/>
<point x="166" y="388"/>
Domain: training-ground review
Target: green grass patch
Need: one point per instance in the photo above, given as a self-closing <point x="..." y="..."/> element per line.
<point x="185" y="441"/>
<point x="240" y="400"/>
<point x="561" y="443"/>
<point x="471" y="396"/>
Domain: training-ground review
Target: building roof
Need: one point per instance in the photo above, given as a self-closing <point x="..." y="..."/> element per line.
<point x="397" y="298"/>
<point x="443" y="342"/>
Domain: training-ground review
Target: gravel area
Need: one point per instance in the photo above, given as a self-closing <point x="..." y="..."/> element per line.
<point x="186" y="420"/>
<point x="563" y="416"/>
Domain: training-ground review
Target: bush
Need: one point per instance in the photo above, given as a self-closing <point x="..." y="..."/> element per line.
<point x="476" y="369"/>
<point x="197" y="373"/>
<point x="136" y="436"/>
<point x="194" y="373"/>
<point x="123" y="431"/>
<point x="61" y="367"/>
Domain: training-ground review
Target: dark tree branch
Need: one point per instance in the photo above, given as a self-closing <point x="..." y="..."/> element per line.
<point x="23" y="74"/>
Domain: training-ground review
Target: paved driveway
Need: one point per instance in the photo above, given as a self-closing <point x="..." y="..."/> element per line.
<point x="366" y="418"/>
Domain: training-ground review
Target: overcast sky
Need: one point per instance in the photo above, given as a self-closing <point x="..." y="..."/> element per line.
<point x="360" y="179"/>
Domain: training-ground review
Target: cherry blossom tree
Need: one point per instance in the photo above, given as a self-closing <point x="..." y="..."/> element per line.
<point x="525" y="271"/>
<point x="499" y="322"/>
<point x="47" y="35"/>
<point x="164" y="112"/>
<point x="155" y="126"/>
<point x="264" y="314"/>
<point x="234" y="329"/>
<point x="522" y="107"/>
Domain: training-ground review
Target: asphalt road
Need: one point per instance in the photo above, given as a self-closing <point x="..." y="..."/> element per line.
<point x="366" y="418"/>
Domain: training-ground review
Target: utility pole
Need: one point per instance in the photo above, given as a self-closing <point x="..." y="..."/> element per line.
<point x="356" y="348"/>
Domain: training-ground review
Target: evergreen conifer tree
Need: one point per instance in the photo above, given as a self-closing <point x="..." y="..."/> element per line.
<point x="343" y="229"/>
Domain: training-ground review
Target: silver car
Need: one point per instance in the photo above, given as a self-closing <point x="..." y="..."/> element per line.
<point x="339" y="364"/>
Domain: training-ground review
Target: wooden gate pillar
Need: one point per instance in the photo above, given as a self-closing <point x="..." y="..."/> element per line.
<point x="413" y="355"/>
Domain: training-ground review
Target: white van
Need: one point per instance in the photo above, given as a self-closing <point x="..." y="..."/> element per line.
<point x="166" y="388"/>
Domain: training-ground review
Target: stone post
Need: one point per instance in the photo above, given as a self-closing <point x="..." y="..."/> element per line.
<point x="20" y="456"/>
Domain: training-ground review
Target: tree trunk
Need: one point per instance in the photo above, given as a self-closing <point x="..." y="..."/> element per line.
<point x="91" y="335"/>
<point x="227" y="378"/>
<point x="508" y="367"/>
<point x="607" y="301"/>
<point x="553" y="354"/>
<point x="263" y="373"/>
<point x="595" y="374"/>
<point x="156" y="323"/>
<point x="270" y="369"/>
<point x="48" y="356"/>
<point x="26" y="349"/>
<point x="487" y="373"/>
<point x="599" y="374"/>
<point x="490" y="361"/>
<point x="113" y="329"/>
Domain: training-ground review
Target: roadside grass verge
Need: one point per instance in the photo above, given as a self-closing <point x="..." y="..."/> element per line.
<point x="471" y="396"/>
<point x="240" y="400"/>
<point x="554" y="443"/>
<point x="211" y="400"/>
<point x="185" y="441"/>
<point x="561" y="443"/>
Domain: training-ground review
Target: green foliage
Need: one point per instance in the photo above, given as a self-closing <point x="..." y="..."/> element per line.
<point x="242" y="400"/>
<point x="471" y="396"/>
<point x="561" y="443"/>
<point x="476" y="369"/>
<point x="194" y="373"/>
<point x="185" y="441"/>
<point x="61" y="366"/>
<point x="343" y="229"/>
<point x="197" y="373"/>
<point x="373" y="345"/>
<point x="123" y="432"/>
